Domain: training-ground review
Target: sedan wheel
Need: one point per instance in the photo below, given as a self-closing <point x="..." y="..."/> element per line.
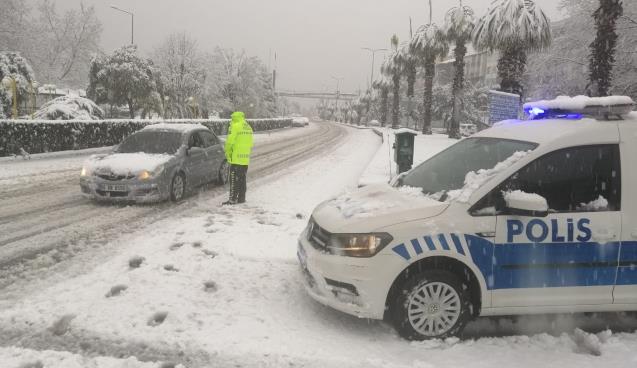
<point x="178" y="187"/>
<point x="224" y="173"/>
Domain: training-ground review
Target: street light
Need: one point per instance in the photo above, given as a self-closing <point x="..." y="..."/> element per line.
<point x="338" y="91"/>
<point x="10" y="83"/>
<point x="132" y="22"/>
<point x="373" y="51"/>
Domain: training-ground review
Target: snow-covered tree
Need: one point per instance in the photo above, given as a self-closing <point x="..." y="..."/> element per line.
<point x="122" y="78"/>
<point x="183" y="70"/>
<point x="513" y="27"/>
<point x="564" y="68"/>
<point x="383" y="86"/>
<point x="15" y="23"/>
<point x="458" y="27"/>
<point x="602" y="56"/>
<point x="15" y="68"/>
<point x="430" y="44"/>
<point x="393" y="68"/>
<point x="64" y="43"/>
<point x="239" y="82"/>
<point x="69" y="108"/>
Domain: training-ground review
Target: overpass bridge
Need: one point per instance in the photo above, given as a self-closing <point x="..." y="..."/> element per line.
<point x="318" y="95"/>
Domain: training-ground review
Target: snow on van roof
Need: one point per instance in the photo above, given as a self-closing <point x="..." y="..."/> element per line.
<point x="183" y="128"/>
<point x="579" y="102"/>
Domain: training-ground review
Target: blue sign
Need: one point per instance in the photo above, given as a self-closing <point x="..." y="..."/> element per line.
<point x="503" y="106"/>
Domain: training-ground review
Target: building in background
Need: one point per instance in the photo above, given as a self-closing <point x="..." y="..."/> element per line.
<point x="481" y="68"/>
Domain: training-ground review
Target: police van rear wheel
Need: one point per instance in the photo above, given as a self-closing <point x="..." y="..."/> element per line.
<point x="430" y="305"/>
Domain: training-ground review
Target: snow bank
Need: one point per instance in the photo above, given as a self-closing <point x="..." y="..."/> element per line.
<point x="17" y="357"/>
<point x="579" y="102"/>
<point x="474" y="180"/>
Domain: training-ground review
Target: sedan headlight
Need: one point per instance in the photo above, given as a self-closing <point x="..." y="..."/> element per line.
<point x="145" y="174"/>
<point x="85" y="172"/>
<point x="358" y="245"/>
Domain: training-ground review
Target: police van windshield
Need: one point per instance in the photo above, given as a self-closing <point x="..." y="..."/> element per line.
<point x="447" y="170"/>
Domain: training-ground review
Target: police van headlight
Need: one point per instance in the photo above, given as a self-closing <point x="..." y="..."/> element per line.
<point x="358" y="245"/>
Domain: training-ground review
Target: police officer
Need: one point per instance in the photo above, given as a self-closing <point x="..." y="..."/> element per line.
<point x="238" y="149"/>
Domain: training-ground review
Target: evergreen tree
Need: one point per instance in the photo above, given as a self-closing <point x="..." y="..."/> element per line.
<point x="602" y="57"/>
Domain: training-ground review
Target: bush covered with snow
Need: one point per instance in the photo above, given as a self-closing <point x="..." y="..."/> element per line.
<point x="69" y="108"/>
<point x="37" y="136"/>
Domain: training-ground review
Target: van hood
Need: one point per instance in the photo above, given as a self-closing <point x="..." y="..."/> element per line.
<point x="374" y="207"/>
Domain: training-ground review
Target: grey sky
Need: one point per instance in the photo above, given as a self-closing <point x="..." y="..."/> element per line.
<point x="314" y="39"/>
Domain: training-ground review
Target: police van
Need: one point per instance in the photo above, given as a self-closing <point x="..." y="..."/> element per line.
<point x="527" y="217"/>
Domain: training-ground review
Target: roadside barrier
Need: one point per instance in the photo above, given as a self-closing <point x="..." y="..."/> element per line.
<point x="39" y="136"/>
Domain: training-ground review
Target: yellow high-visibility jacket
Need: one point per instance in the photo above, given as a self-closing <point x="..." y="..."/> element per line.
<point x="239" y="142"/>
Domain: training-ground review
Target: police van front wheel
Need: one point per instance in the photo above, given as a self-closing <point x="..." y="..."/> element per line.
<point x="429" y="305"/>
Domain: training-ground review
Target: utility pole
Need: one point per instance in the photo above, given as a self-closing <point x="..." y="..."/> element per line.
<point x="373" y="51"/>
<point x="132" y="23"/>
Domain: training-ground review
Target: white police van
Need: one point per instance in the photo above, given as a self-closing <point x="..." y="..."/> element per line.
<point x="527" y="217"/>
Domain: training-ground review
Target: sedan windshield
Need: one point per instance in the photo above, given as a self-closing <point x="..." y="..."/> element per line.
<point x="151" y="142"/>
<point x="447" y="170"/>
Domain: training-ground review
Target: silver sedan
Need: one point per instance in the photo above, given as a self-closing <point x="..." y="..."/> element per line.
<point x="157" y="163"/>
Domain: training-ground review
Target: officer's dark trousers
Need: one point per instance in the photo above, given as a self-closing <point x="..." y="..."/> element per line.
<point x="238" y="186"/>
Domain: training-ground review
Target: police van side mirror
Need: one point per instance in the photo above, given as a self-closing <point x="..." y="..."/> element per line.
<point x="519" y="203"/>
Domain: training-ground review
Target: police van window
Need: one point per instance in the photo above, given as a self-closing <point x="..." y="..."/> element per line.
<point x="577" y="179"/>
<point x="447" y="170"/>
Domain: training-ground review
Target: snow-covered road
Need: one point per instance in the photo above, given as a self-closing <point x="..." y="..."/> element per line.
<point x="44" y="220"/>
<point x="221" y="287"/>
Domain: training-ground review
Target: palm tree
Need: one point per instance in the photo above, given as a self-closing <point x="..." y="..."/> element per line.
<point x="430" y="44"/>
<point x="410" y="70"/>
<point x="513" y="27"/>
<point x="602" y="55"/>
<point x="383" y="86"/>
<point x="458" y="27"/>
<point x="392" y="68"/>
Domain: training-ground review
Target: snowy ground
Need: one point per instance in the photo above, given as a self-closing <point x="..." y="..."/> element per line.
<point x="220" y="287"/>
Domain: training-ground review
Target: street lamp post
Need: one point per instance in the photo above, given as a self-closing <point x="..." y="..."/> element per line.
<point x="338" y="91"/>
<point x="10" y="83"/>
<point x="373" y="51"/>
<point x="132" y="23"/>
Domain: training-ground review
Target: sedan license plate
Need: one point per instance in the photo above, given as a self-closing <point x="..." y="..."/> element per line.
<point x="114" y="188"/>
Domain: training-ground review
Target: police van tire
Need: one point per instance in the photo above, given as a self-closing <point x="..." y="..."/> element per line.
<point x="178" y="187"/>
<point x="418" y="314"/>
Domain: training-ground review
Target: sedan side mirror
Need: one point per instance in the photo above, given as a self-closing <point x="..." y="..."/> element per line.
<point x="192" y="150"/>
<point x="526" y="204"/>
